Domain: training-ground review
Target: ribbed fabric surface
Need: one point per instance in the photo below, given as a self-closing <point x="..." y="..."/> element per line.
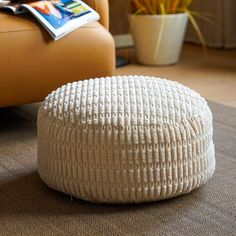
<point x="125" y="139"/>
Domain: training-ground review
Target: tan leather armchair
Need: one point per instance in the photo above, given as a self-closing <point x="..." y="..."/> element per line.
<point x="32" y="65"/>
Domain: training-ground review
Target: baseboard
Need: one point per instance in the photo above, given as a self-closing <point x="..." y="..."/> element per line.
<point x="123" y="40"/>
<point x="211" y="44"/>
<point x="126" y="40"/>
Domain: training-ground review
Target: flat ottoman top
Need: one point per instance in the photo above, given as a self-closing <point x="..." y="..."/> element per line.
<point x="125" y="139"/>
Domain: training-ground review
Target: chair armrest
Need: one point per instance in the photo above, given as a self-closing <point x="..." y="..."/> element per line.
<point x="102" y="7"/>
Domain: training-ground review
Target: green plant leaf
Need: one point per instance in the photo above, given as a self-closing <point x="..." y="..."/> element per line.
<point x="163" y="7"/>
<point x="197" y="29"/>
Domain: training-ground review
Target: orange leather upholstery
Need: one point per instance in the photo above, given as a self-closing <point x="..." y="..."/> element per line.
<point x="102" y="7"/>
<point x="32" y="65"/>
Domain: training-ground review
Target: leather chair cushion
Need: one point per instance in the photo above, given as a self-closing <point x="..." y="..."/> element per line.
<point x="35" y="65"/>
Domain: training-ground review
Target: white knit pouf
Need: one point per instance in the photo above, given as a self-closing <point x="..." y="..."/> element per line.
<point x="125" y="139"/>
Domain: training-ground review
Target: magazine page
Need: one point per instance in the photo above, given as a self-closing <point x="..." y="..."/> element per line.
<point x="3" y="3"/>
<point x="15" y="7"/>
<point x="61" y="17"/>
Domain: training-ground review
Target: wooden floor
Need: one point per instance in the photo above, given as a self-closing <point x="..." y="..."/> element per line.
<point x="213" y="75"/>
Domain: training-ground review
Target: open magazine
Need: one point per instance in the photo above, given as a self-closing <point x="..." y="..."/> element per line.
<point x="59" y="17"/>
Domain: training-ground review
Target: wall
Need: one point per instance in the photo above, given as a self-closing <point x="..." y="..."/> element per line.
<point x="118" y="16"/>
<point x="220" y="35"/>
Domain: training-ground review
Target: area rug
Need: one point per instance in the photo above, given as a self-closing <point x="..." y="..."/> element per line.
<point x="29" y="207"/>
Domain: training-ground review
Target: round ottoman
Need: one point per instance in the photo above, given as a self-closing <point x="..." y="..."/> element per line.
<point x="125" y="139"/>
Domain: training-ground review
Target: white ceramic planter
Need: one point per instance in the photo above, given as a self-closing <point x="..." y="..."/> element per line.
<point x="158" y="38"/>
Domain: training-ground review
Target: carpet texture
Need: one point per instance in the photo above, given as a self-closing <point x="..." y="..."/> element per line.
<point x="28" y="207"/>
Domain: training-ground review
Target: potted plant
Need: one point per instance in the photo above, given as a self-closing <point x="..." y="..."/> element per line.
<point x="158" y="28"/>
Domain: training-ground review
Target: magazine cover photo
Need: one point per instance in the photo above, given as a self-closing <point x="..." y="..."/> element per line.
<point x="59" y="17"/>
<point x="58" y="13"/>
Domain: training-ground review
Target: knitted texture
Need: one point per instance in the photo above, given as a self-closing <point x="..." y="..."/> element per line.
<point x="125" y="139"/>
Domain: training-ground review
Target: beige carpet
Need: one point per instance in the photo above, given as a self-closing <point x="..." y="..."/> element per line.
<point x="28" y="207"/>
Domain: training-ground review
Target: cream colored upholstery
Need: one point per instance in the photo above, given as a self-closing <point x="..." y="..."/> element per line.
<point x="125" y="139"/>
